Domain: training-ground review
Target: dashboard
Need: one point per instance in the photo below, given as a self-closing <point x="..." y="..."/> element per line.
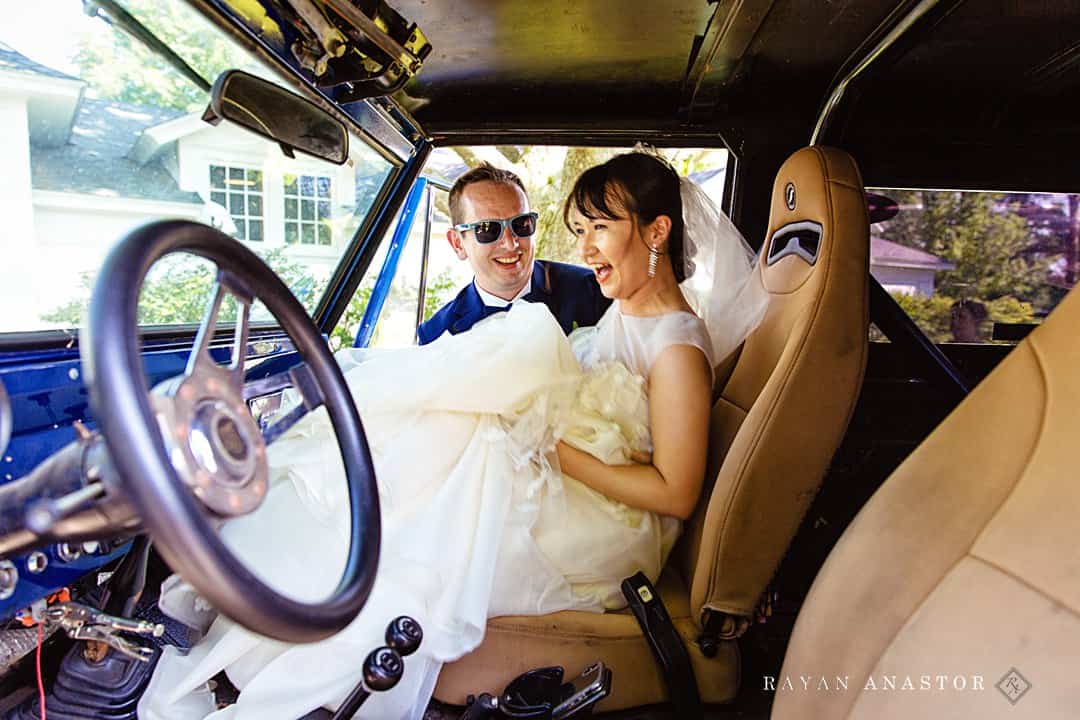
<point x="43" y="402"/>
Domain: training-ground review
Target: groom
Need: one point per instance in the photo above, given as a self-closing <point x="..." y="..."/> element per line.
<point x="492" y="228"/>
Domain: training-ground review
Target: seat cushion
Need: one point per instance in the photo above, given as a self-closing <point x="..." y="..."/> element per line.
<point x="575" y="640"/>
<point x="964" y="564"/>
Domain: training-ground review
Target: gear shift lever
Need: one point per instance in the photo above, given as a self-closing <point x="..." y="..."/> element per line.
<point x="404" y="635"/>
<point x="383" y="667"/>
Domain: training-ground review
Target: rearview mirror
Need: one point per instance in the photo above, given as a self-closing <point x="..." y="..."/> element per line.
<point x="275" y="113"/>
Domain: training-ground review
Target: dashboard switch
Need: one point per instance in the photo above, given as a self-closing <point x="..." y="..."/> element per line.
<point x="37" y="561"/>
<point x="9" y="578"/>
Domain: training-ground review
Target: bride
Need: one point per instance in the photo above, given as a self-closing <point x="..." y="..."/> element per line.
<point x="519" y="471"/>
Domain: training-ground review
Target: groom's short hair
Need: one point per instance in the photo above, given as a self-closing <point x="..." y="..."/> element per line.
<point x="484" y="172"/>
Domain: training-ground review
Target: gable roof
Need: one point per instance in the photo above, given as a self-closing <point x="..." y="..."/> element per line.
<point x="14" y="61"/>
<point x="889" y="254"/>
<point x="97" y="157"/>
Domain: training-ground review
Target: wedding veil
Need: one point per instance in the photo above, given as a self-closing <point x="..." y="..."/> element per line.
<point x="723" y="284"/>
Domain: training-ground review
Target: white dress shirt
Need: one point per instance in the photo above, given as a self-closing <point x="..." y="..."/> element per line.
<point x="494" y="301"/>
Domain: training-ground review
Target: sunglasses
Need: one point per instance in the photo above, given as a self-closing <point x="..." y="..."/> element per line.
<point x="488" y="231"/>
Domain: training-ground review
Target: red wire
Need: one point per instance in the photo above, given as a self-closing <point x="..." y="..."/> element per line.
<point x="40" y="680"/>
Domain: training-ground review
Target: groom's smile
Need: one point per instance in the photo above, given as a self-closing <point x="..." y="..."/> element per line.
<point x="504" y="266"/>
<point x="509" y="259"/>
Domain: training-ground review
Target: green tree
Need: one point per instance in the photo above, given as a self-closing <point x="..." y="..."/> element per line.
<point x="178" y="288"/>
<point x="933" y="314"/>
<point x="118" y="67"/>
<point x="438" y="293"/>
<point x="345" y="331"/>
<point x="985" y="244"/>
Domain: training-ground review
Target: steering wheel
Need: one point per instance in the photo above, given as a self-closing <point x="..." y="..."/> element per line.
<point x="189" y="454"/>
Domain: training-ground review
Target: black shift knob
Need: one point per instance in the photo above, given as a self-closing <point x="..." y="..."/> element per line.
<point x="404" y="635"/>
<point x="382" y="669"/>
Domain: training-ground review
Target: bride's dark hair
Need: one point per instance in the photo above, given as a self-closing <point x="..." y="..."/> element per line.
<point x="644" y="185"/>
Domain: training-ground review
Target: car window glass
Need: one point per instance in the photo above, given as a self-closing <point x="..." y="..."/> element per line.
<point x="100" y="135"/>
<point x="976" y="267"/>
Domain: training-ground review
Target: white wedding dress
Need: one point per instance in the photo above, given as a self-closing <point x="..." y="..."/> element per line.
<point x="477" y="520"/>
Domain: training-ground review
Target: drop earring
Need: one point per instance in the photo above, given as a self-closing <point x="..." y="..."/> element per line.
<point x="654" y="257"/>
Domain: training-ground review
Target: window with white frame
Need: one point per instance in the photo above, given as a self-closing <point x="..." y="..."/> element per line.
<point x="240" y="191"/>
<point x="307" y="210"/>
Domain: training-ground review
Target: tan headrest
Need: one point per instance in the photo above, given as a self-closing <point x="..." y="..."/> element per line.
<point x="802" y="200"/>
<point x="801" y="368"/>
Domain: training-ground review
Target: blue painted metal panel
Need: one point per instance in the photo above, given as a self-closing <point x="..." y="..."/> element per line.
<point x="389" y="268"/>
<point x="58" y="574"/>
<point x="47" y="395"/>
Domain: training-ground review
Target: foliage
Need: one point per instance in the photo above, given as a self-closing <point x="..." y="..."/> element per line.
<point x="1008" y="309"/>
<point x="439" y="291"/>
<point x="178" y="288"/>
<point x="933" y="315"/>
<point x="555" y="242"/>
<point x="401" y="297"/>
<point x="985" y="244"/>
<point x="121" y="68"/>
<point x="345" y="331"/>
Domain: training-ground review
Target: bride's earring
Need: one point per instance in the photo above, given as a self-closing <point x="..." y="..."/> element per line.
<point x="654" y="257"/>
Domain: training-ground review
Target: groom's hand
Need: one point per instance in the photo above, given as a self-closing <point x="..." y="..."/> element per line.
<point x="641" y="457"/>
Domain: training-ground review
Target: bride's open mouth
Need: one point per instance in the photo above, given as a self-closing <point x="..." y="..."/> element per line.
<point x="603" y="272"/>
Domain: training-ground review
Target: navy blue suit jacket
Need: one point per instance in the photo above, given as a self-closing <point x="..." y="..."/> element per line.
<point x="570" y="292"/>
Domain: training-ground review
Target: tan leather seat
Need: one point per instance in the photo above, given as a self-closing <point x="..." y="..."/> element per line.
<point x="775" y="427"/>
<point x="965" y="564"/>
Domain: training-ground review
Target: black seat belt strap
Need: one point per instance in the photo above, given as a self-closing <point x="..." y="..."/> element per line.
<point x="667" y="647"/>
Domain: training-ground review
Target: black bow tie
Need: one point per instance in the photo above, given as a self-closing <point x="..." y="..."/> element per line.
<point x="489" y="310"/>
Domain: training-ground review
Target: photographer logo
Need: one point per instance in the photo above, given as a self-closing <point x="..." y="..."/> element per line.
<point x="1013" y="686"/>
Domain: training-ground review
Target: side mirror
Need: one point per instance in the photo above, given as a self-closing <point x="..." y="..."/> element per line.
<point x="272" y="111"/>
<point x="880" y="208"/>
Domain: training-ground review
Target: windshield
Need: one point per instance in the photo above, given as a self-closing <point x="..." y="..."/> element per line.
<point x="99" y="135"/>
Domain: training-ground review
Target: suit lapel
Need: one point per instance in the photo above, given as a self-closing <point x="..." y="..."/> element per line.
<point x="468" y="310"/>
<point x="541" y="284"/>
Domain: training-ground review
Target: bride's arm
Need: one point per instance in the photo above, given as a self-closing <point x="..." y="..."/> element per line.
<point x="680" y="392"/>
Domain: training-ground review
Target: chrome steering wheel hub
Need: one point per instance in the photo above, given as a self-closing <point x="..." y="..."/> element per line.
<point x="212" y="440"/>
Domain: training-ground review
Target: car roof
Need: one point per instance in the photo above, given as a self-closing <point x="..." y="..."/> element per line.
<point x="974" y="93"/>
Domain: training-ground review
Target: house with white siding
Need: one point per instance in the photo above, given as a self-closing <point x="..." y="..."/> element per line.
<point x="81" y="171"/>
